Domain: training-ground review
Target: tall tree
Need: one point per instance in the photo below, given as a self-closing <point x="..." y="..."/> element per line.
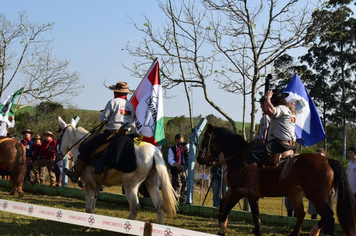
<point x="186" y="57"/>
<point x="332" y="54"/>
<point x="24" y="54"/>
<point x="264" y="29"/>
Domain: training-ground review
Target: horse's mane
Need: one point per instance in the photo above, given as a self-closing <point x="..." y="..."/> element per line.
<point x="231" y="139"/>
<point x="82" y="130"/>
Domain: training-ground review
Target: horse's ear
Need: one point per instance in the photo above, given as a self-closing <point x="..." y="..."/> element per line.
<point x="210" y="127"/>
<point x="72" y="123"/>
<point x="61" y="122"/>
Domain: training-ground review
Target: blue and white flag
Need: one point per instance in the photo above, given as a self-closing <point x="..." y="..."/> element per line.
<point x="309" y="129"/>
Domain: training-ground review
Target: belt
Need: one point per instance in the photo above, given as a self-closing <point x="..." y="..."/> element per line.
<point x="286" y="142"/>
<point x="119" y="131"/>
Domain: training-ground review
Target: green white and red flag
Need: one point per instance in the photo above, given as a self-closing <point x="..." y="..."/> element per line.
<point x="148" y="102"/>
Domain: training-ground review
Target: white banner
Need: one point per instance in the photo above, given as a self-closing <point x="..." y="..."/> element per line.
<point x="125" y="226"/>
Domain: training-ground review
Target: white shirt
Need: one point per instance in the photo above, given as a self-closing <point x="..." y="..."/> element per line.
<point x="282" y="124"/>
<point x="172" y="158"/>
<point x="351" y="172"/>
<point x="4" y="123"/>
<point x="118" y="112"/>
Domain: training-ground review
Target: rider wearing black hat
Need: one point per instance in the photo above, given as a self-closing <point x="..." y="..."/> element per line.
<point x="281" y="137"/>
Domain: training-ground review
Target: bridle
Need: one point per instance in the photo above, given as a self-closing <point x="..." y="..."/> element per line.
<point x="208" y="152"/>
<point x="59" y="152"/>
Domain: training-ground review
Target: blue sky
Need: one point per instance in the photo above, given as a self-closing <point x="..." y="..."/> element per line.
<point x="91" y="35"/>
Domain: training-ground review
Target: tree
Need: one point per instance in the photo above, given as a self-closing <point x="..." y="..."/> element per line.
<point x="186" y="57"/>
<point x="265" y="30"/>
<point x="332" y="54"/>
<point x="24" y="54"/>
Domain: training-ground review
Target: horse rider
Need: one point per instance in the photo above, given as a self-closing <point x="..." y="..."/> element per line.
<point x="118" y="115"/>
<point x="281" y="137"/>
<point x="5" y="123"/>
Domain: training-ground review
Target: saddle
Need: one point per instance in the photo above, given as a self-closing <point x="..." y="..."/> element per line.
<point x="119" y="153"/>
<point x="284" y="161"/>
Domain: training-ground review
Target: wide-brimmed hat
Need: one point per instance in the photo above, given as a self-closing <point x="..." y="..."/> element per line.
<point x="36" y="137"/>
<point x="48" y="133"/>
<point x="120" y="87"/>
<point x="278" y="95"/>
<point x="27" y="131"/>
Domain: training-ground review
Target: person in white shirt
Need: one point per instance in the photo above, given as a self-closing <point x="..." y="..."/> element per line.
<point x="5" y="123"/>
<point x="351" y="169"/>
<point x="178" y="159"/>
<point x="280" y="138"/>
<point x="118" y="116"/>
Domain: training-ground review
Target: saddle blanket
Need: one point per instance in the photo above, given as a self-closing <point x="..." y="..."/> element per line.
<point x="121" y="154"/>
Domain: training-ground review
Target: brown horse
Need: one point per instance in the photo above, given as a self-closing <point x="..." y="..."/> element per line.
<point x="312" y="175"/>
<point x="13" y="157"/>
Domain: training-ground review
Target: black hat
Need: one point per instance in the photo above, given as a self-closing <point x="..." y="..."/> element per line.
<point x="262" y="99"/>
<point x="278" y="95"/>
<point x="27" y="131"/>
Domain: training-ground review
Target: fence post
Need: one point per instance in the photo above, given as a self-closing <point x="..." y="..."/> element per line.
<point x="65" y="161"/>
<point x="193" y="143"/>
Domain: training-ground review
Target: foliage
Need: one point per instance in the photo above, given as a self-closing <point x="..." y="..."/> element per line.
<point x="24" y="54"/>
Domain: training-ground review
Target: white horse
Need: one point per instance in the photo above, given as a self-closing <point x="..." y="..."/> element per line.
<point x="151" y="169"/>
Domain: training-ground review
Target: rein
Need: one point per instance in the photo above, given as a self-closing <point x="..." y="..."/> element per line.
<point x="81" y="139"/>
<point x="226" y="159"/>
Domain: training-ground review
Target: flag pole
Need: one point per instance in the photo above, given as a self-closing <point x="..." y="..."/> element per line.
<point x="156" y="59"/>
<point x="18" y="101"/>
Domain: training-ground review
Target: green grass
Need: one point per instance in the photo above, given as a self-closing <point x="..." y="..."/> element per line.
<point x="13" y="224"/>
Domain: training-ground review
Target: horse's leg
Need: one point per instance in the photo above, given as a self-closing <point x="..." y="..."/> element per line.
<point x="226" y="204"/>
<point x="131" y="194"/>
<point x="152" y="185"/>
<point x="255" y="211"/>
<point x="91" y="194"/>
<point x="327" y="221"/>
<point x="297" y="202"/>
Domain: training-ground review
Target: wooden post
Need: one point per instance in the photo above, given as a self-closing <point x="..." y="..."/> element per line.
<point x="147" y="231"/>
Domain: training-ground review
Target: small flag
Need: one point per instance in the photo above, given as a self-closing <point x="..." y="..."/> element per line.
<point x="309" y="129"/>
<point x="148" y="102"/>
<point x="8" y="105"/>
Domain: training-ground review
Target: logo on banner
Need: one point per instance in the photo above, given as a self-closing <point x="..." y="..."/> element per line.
<point x="168" y="232"/>
<point x="5" y="205"/>
<point x="59" y="215"/>
<point x="91" y="220"/>
<point x="30" y="210"/>
<point x="127" y="226"/>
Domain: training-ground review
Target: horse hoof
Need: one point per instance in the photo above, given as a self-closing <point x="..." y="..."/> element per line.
<point x="221" y="232"/>
<point x="13" y="191"/>
<point x="21" y="193"/>
<point x="86" y="229"/>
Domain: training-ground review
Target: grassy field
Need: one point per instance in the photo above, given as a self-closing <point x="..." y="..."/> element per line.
<point x="13" y="224"/>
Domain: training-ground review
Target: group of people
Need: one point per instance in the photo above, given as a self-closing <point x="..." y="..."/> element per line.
<point x="42" y="153"/>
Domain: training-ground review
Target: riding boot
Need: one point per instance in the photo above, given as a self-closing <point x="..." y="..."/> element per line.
<point x="252" y="189"/>
<point x="78" y="169"/>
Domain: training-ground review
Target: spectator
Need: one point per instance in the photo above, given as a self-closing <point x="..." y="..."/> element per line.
<point x="351" y="169"/>
<point x="218" y="184"/>
<point x="311" y="208"/>
<point x="261" y="136"/>
<point x="46" y="157"/>
<point x="178" y="159"/>
<point x="28" y="143"/>
<point x="36" y="149"/>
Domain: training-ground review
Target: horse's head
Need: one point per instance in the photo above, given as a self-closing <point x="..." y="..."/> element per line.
<point x="64" y="142"/>
<point x="208" y="152"/>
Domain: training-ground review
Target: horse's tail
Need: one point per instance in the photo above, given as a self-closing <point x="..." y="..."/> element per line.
<point x="18" y="172"/>
<point x="169" y="198"/>
<point x="346" y="204"/>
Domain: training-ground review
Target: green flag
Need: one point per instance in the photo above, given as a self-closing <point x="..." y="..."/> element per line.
<point x="8" y="105"/>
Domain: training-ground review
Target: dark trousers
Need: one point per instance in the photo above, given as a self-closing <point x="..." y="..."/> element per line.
<point x="265" y="150"/>
<point x="179" y="183"/>
<point x="89" y="147"/>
